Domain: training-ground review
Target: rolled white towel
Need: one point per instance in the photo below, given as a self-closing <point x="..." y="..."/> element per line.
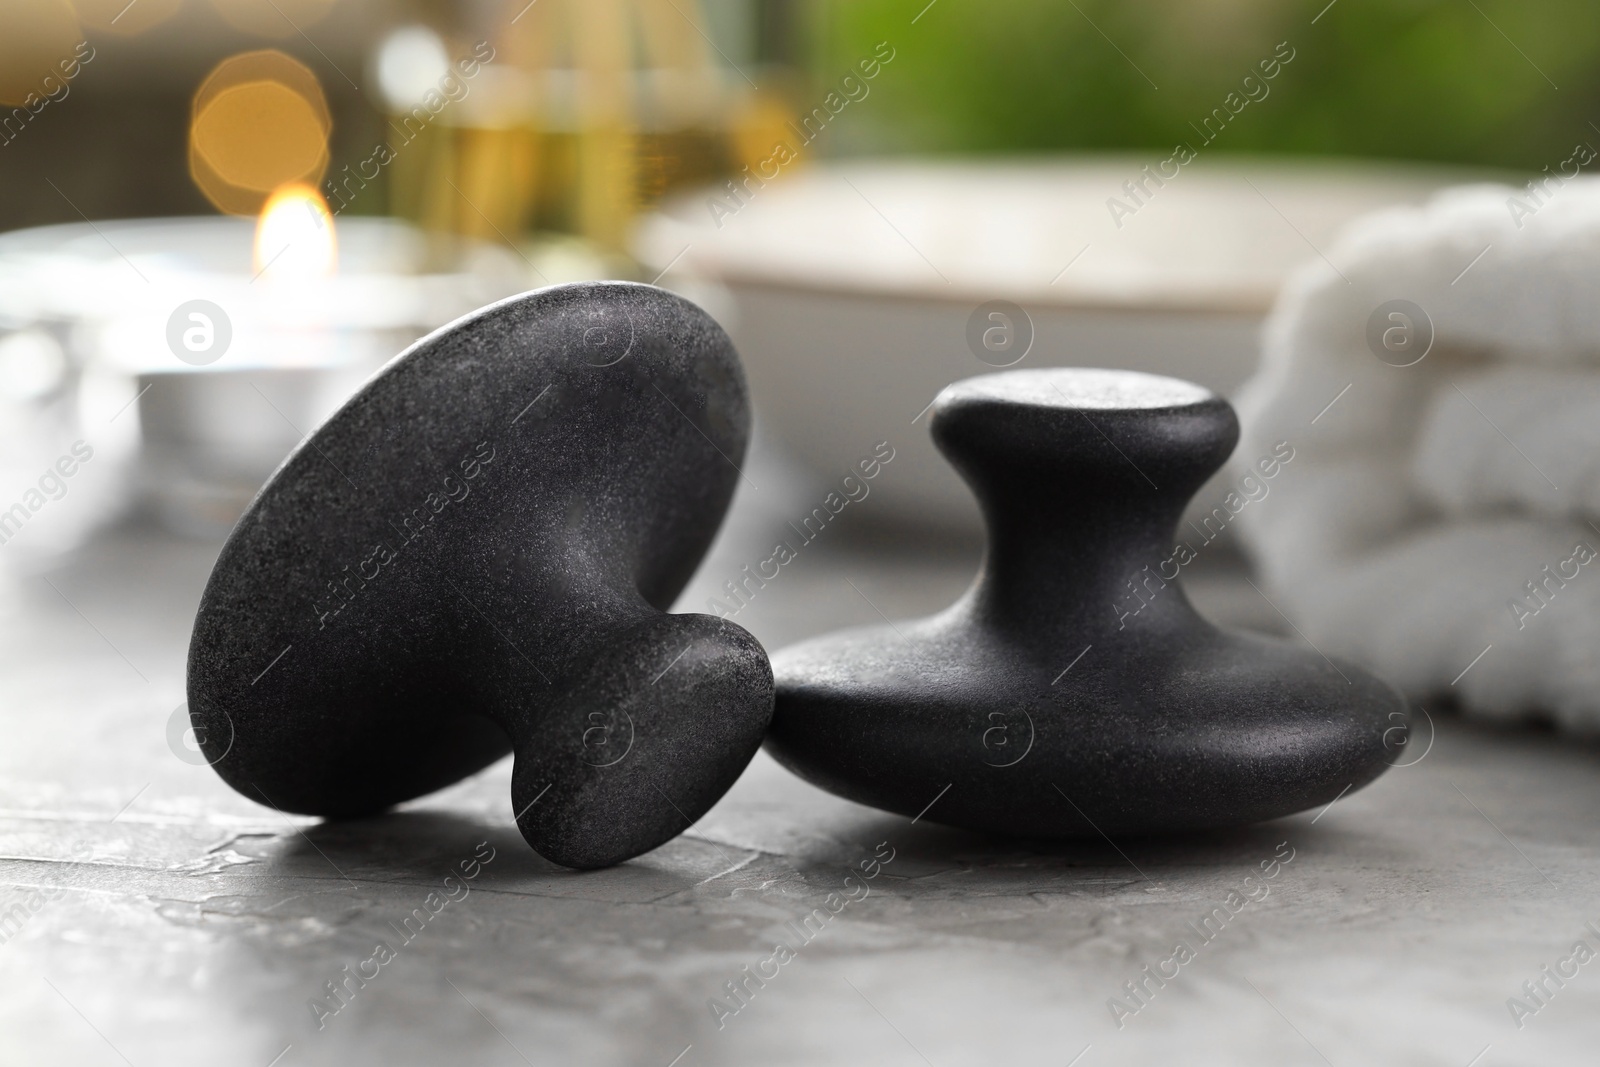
<point x="1441" y="521"/>
<point x="1465" y="466"/>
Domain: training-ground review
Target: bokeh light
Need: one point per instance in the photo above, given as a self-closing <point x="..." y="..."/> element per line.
<point x="122" y="17"/>
<point x="272" y="18"/>
<point x="35" y="37"/>
<point x="260" y="121"/>
<point x="408" y="63"/>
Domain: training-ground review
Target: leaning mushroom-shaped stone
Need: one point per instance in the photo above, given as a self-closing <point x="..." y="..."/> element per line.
<point x="474" y="556"/>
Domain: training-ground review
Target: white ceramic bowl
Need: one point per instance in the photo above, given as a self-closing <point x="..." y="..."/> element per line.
<point x="852" y="285"/>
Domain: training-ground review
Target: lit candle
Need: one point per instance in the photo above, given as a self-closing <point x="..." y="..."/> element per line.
<point x="234" y="337"/>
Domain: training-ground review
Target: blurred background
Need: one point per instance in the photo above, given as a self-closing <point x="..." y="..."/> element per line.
<point x="1008" y="77"/>
<point x="842" y="184"/>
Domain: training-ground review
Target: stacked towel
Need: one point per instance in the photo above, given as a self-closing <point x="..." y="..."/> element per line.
<point x="1441" y="520"/>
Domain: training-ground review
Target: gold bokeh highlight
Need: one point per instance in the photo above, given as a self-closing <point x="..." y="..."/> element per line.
<point x="259" y="135"/>
<point x="35" y="36"/>
<point x="260" y="121"/>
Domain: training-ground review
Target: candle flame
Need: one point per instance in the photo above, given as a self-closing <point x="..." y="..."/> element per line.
<point x="294" y="235"/>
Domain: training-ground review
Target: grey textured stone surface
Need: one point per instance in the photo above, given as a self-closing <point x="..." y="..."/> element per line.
<point x="186" y="925"/>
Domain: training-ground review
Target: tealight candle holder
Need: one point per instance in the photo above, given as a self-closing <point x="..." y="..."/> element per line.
<point x="217" y="344"/>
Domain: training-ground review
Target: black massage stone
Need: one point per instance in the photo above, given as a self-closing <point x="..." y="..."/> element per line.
<point x="473" y="557"/>
<point x="1073" y="691"/>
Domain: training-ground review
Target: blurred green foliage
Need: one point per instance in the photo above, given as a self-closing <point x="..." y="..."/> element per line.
<point x="1499" y="82"/>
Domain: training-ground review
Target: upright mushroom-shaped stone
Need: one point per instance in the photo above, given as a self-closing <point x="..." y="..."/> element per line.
<point x="474" y="556"/>
<point x="1074" y="691"/>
